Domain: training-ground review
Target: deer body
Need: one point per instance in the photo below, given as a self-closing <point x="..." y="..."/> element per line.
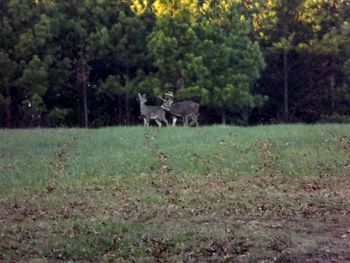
<point x="188" y="110"/>
<point x="148" y="113"/>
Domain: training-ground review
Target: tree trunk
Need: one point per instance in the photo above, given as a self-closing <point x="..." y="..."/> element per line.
<point x="82" y="78"/>
<point x="223" y="117"/>
<point x="332" y="92"/>
<point x="120" y="109"/>
<point x="8" y="108"/>
<point x="285" y="85"/>
<point x="78" y="103"/>
<point x="127" y="103"/>
<point x="86" y="119"/>
<point x="127" y="107"/>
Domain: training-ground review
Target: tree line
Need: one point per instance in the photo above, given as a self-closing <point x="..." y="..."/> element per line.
<point x="82" y="62"/>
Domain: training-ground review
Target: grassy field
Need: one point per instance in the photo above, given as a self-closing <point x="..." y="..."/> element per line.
<point x="210" y="194"/>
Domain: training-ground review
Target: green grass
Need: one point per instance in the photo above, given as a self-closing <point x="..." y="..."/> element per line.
<point x="219" y="193"/>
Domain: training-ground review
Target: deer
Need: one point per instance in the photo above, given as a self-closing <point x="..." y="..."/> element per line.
<point x="188" y="110"/>
<point x="148" y="113"/>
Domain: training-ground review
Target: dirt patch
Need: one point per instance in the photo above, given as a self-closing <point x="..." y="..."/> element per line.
<point x="57" y="168"/>
<point x="344" y="143"/>
<point x="163" y="167"/>
<point x="324" y="240"/>
<point x="265" y="155"/>
<point x="19" y="212"/>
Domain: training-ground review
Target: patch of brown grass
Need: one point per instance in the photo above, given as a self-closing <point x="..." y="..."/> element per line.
<point x="279" y="218"/>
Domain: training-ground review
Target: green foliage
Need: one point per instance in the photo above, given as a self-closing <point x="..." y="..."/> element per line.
<point x="58" y="117"/>
<point x="207" y="56"/>
<point x="172" y="45"/>
<point x="33" y="84"/>
<point x="110" y="87"/>
<point x="6" y="76"/>
<point x="92" y="57"/>
<point x="234" y="61"/>
<point x="34" y="78"/>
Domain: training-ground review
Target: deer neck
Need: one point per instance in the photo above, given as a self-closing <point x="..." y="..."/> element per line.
<point x="142" y="107"/>
<point x="172" y="111"/>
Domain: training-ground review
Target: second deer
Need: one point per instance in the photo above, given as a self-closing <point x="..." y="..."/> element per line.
<point x="188" y="110"/>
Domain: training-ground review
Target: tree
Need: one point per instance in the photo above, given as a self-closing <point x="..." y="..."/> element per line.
<point x="120" y="43"/>
<point x="292" y="36"/>
<point x="33" y="84"/>
<point x="82" y="62"/>
<point x="233" y="60"/>
<point x="210" y="55"/>
<point x="16" y="17"/>
<point x="173" y="45"/>
<point x="8" y="67"/>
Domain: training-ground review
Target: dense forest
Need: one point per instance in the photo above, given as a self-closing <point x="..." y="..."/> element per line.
<point x="82" y="62"/>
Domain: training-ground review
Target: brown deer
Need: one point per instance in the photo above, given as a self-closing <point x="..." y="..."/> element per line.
<point x="188" y="110"/>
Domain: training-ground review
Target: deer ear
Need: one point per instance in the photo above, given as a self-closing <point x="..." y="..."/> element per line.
<point x="139" y="95"/>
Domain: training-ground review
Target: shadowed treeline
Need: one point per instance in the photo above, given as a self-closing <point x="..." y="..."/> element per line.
<point x="82" y="63"/>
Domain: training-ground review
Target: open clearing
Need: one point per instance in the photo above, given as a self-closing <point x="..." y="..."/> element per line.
<point x="210" y="194"/>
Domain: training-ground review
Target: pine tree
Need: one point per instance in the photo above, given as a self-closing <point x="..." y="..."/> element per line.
<point x="232" y="58"/>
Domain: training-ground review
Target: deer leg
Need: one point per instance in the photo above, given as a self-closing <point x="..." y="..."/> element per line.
<point x="166" y="121"/>
<point x="185" y="119"/>
<point x="144" y="122"/>
<point x="194" y="120"/>
<point x="191" y="119"/>
<point x="158" y="122"/>
<point x="174" y="120"/>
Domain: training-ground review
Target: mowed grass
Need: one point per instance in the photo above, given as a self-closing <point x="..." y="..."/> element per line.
<point x="207" y="194"/>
